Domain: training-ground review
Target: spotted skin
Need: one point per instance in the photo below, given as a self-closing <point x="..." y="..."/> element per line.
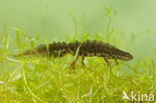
<point x="86" y="49"/>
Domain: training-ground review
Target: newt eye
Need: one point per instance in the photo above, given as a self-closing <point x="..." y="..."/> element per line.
<point x="129" y="56"/>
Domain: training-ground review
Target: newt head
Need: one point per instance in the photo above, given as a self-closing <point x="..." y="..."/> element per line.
<point x="124" y="56"/>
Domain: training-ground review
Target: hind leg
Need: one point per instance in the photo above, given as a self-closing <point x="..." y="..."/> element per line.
<point x="73" y="63"/>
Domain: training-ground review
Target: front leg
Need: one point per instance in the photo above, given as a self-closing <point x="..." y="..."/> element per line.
<point x="116" y="62"/>
<point x="108" y="63"/>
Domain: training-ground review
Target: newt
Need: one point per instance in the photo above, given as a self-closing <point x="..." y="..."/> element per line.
<point x="88" y="48"/>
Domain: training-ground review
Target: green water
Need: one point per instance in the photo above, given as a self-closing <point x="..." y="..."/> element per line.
<point x="47" y="80"/>
<point x="51" y="18"/>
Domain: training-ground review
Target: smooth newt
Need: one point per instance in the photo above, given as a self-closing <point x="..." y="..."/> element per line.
<point x="87" y="48"/>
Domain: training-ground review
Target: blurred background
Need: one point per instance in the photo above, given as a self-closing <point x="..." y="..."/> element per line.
<point x="52" y="18"/>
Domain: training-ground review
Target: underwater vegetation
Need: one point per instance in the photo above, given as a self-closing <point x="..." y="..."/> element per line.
<point x="37" y="79"/>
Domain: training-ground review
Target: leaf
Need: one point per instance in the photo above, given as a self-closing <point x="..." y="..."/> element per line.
<point x="74" y="20"/>
<point x="47" y="45"/>
<point x="37" y="37"/>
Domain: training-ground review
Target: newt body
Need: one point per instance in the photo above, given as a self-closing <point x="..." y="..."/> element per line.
<point x="87" y="48"/>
